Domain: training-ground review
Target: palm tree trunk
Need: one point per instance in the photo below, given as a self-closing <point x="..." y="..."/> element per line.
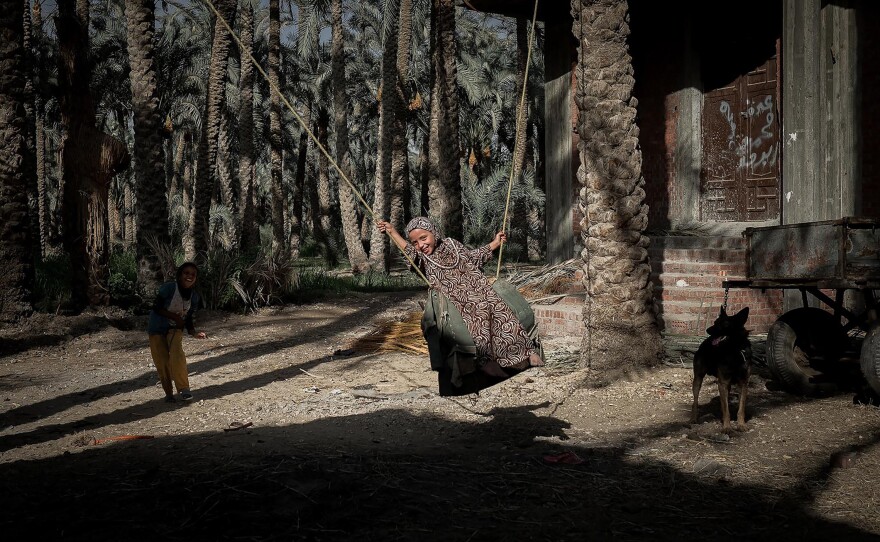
<point x="347" y="205"/>
<point x="621" y="332"/>
<point x="206" y="170"/>
<point x="224" y="190"/>
<point x="302" y="164"/>
<point x="186" y="186"/>
<point x="322" y="127"/>
<point x="319" y="193"/>
<point x="399" y="142"/>
<point x="518" y="223"/>
<point x="151" y="190"/>
<point x="445" y="171"/>
<point x="275" y="125"/>
<point x="294" y="214"/>
<point x="115" y="217"/>
<point x="129" y="238"/>
<point x="382" y="192"/>
<point x="424" y="175"/>
<point x="247" y="225"/>
<point x="30" y="166"/>
<point x="537" y="240"/>
<point x="39" y="135"/>
<point x="90" y="158"/>
<point x="16" y="281"/>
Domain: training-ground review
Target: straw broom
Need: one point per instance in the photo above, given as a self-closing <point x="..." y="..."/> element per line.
<point x="406" y="335"/>
<point x="395" y="336"/>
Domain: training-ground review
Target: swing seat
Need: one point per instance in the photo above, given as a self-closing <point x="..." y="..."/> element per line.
<point x="451" y="348"/>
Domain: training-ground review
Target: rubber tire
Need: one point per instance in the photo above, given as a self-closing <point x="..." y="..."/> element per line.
<point x="869" y="358"/>
<point x="811" y="330"/>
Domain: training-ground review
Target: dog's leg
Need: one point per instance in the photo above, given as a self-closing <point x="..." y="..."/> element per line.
<point x="698" y="383"/>
<point x="724" y="392"/>
<point x="741" y="412"/>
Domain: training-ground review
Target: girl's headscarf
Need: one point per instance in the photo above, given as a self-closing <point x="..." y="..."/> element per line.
<point x="422" y="223"/>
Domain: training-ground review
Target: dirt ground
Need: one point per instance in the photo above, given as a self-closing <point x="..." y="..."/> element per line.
<point x="359" y="446"/>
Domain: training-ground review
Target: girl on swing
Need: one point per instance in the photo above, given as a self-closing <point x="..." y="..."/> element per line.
<point x="456" y="271"/>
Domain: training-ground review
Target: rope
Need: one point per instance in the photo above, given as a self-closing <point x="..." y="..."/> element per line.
<point x="302" y="123"/>
<point x="519" y="128"/>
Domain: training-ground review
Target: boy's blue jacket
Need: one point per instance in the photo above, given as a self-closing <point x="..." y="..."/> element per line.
<point x="159" y="325"/>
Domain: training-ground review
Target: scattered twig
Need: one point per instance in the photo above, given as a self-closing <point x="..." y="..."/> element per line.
<point x="121" y="437"/>
<point x="234" y="427"/>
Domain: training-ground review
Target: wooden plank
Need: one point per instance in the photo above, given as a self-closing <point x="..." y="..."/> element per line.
<point x="801" y="137"/>
<point x="558" y="131"/>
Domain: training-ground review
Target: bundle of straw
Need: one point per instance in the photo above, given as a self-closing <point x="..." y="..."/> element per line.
<point x="548" y="279"/>
<point x="395" y="336"/>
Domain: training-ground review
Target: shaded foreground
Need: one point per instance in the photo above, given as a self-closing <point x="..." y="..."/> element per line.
<point x="359" y="448"/>
<point x="259" y="485"/>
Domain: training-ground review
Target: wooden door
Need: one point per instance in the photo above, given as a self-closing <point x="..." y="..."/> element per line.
<point x="740" y="131"/>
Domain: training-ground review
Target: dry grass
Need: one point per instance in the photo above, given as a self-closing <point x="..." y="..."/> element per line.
<point x="395" y="336"/>
<point x="547" y="283"/>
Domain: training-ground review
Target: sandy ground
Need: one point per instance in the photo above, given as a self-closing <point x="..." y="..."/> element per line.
<point x="287" y="441"/>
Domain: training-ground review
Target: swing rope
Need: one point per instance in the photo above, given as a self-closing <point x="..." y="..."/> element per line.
<point x="519" y="128"/>
<point x="302" y="124"/>
<point x="342" y="175"/>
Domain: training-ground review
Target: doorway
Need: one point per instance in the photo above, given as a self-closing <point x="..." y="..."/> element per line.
<point x="740" y="141"/>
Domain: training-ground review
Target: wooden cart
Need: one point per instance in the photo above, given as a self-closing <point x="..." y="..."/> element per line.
<point x="808" y="347"/>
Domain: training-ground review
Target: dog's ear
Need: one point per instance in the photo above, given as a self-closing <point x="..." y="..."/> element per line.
<point x="742" y="316"/>
<point x="722" y="313"/>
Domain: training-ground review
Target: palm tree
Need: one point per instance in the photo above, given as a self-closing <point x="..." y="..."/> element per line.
<point x="621" y="331"/>
<point x="311" y="87"/>
<point x="16" y="281"/>
<point x="445" y="189"/>
<point x="30" y="168"/>
<point x="206" y="174"/>
<point x="182" y="62"/>
<point x="90" y="158"/>
<point x="278" y="198"/>
<point x="152" y="208"/>
<point x="519" y="234"/>
<point x="348" y="207"/>
<point x="388" y="106"/>
<point x="399" y="142"/>
<point x="39" y="135"/>
<point x="248" y="227"/>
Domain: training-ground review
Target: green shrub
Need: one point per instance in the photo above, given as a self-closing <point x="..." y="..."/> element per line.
<point x="123" y="279"/>
<point x="52" y="282"/>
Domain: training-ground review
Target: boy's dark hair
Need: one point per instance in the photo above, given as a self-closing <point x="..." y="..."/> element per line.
<point x="184" y="265"/>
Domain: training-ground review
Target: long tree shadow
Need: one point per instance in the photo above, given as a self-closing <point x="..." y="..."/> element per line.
<point x="46" y="408"/>
<point x="391" y="475"/>
<point x="80" y="325"/>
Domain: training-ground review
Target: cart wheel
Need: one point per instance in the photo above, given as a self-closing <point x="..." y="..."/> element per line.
<point x="870" y="358"/>
<point x="800" y="344"/>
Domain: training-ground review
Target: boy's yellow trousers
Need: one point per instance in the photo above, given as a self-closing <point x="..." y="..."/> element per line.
<point x="167" y="351"/>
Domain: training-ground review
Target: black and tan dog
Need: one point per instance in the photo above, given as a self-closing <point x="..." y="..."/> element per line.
<point x="726" y="354"/>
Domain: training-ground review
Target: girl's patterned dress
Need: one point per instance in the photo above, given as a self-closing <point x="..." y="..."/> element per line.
<point x="456" y="271"/>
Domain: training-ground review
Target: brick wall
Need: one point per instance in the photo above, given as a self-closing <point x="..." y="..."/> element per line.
<point x="562" y="319"/>
<point x="688" y="273"/>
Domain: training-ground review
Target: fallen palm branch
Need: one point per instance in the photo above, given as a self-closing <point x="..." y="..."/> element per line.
<point x="548" y="283"/>
<point x="395" y="336"/>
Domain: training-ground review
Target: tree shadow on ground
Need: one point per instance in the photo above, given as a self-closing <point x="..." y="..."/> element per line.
<point x="49" y="407"/>
<point x="391" y="475"/>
